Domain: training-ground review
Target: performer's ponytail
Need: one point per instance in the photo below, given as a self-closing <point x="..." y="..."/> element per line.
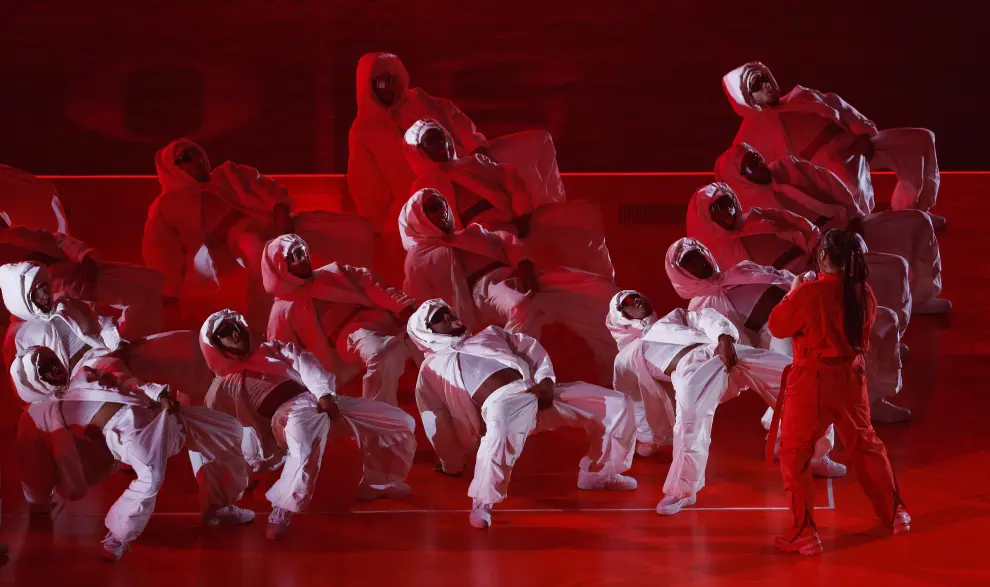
<point x="846" y="255"/>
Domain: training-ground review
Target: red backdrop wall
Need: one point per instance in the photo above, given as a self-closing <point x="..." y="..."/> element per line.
<point x="623" y="86"/>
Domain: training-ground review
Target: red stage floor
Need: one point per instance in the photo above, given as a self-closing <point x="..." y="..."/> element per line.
<point x="550" y="533"/>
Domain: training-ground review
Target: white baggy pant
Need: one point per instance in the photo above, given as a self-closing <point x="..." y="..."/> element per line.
<point x="701" y="383"/>
<point x="909" y="234"/>
<point x="385" y="435"/>
<point x="910" y="154"/>
<point x="566" y="297"/>
<point x="376" y="340"/>
<point x="510" y="415"/>
<point x="533" y="155"/>
<point x="145" y="439"/>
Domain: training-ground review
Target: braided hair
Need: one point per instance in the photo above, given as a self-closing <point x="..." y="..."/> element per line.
<point x="845" y="253"/>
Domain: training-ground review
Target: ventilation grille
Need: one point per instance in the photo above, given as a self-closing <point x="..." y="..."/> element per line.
<point x="653" y="213"/>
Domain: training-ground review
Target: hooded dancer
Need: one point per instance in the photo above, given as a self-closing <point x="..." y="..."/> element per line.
<point x="142" y="426"/>
<point x="488" y="278"/>
<point x="286" y="395"/>
<point x="67" y="324"/>
<point x="782" y="240"/>
<point x="829" y="320"/>
<point x="482" y="191"/>
<point x="747" y="293"/>
<point x="489" y="391"/>
<point x="698" y="355"/>
<point x="378" y="175"/>
<point x="344" y="315"/>
<point x="205" y="221"/>
<point x="826" y="130"/>
<point x="31" y="201"/>
<point x="801" y="187"/>
<point x="136" y="291"/>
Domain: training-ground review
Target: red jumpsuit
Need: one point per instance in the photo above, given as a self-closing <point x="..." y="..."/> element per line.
<point x="826" y="385"/>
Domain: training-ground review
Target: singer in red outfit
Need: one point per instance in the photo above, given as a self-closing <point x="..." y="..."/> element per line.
<point x="829" y="319"/>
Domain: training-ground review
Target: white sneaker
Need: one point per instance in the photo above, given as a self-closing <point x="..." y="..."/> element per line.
<point x="113" y="549"/>
<point x="646" y="449"/>
<point x="230" y="514"/>
<point x="671" y="505"/>
<point x="826" y="467"/>
<point x="278" y="523"/>
<point x="481" y="515"/>
<point x="902" y="521"/>
<point x="605" y="482"/>
<point x="371" y="493"/>
<point x="887" y="413"/>
<point x="932" y="306"/>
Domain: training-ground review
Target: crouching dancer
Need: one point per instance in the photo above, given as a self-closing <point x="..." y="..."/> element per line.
<point x="286" y="395"/>
<point x="141" y="425"/>
<point x="491" y="390"/>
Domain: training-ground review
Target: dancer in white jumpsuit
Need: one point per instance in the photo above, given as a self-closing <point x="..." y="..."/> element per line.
<point x="489" y="391"/>
<point x="286" y="395"/>
<point x="826" y="130"/>
<point x="133" y="290"/>
<point x="776" y="238"/>
<point x="488" y="279"/>
<point x="142" y="426"/>
<point x="378" y="176"/>
<point x="698" y="355"/>
<point x="344" y="315"/>
<point x="30" y="201"/>
<point x="72" y="327"/>
<point x="481" y="191"/>
<point x="747" y="293"/>
<point x="801" y="187"/>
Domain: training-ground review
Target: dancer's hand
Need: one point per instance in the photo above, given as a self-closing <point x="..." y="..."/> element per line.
<point x="328" y="405"/>
<point x="801" y="278"/>
<point x="727" y="351"/>
<point x="168" y="403"/>
<point x="544" y="393"/>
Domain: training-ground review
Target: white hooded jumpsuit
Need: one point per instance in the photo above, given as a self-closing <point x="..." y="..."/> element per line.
<point x="73" y="328"/>
<point x="139" y="434"/>
<point x="455" y="368"/>
<point x="823" y="129"/>
<point x="296" y="435"/>
<point x="474" y="270"/>
<point x="700" y="382"/>
<point x="817" y="194"/>
<point x="378" y="176"/>
<point x="344" y="315"/>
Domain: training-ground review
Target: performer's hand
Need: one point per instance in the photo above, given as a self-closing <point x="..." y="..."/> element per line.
<point x="527" y="274"/>
<point x="104" y="378"/>
<point x="727" y="351"/>
<point x="802" y="277"/>
<point x="522" y="224"/>
<point x="544" y="393"/>
<point x="328" y="405"/>
<point x="168" y="403"/>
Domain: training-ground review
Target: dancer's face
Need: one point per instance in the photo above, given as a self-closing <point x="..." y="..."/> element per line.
<point x="234" y="338"/>
<point x="41" y="296"/>
<point x="755" y="168"/>
<point x="725" y="211"/>
<point x="383" y="86"/>
<point x="436" y="146"/>
<point x="695" y="263"/>
<point x="50" y="368"/>
<point x="445" y="322"/>
<point x="438" y="212"/>
<point x="298" y="263"/>
<point x="764" y="89"/>
<point x="193" y="162"/>
<point x="636" y="307"/>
